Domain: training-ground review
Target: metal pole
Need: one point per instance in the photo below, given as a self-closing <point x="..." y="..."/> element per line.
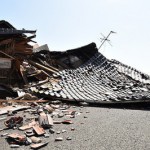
<point x="105" y="39"/>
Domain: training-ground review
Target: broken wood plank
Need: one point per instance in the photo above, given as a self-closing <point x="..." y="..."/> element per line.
<point x="24" y="101"/>
<point x="5" y="110"/>
<point x="22" y="71"/>
<point x="42" y="67"/>
<point x="7" y="41"/>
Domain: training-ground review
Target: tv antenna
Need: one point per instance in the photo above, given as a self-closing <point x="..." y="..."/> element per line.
<point x="104" y="39"/>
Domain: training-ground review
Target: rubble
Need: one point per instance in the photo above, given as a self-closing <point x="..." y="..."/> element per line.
<point x="14" y="146"/>
<point x="40" y="82"/>
<point x="72" y="129"/>
<point x="51" y="130"/>
<point x="39" y="145"/>
<point x="68" y="138"/>
<point x="60" y="115"/>
<point x="38" y="130"/>
<point x="5" y="110"/>
<point x="45" y="120"/>
<point x="14" y="45"/>
<point x="35" y="139"/>
<point x="49" y="108"/>
<point x="28" y="126"/>
<point x="81" y="74"/>
<point x="67" y="122"/>
<point x="58" y="132"/>
<point x="63" y="131"/>
<point x="29" y="133"/>
<point x="59" y="139"/>
<point x="46" y="135"/>
<point x="4" y="134"/>
<point x="17" y="138"/>
<point x="14" y="122"/>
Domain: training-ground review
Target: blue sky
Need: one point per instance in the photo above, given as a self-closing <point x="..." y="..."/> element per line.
<point x="68" y="24"/>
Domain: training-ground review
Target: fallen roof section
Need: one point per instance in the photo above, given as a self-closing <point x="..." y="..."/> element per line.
<point x="98" y="80"/>
<point x="81" y="74"/>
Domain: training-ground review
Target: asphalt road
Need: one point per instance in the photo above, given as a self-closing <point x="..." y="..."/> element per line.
<point x="103" y="129"/>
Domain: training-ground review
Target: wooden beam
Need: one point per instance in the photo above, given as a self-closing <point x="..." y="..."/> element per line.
<point x="42" y="67"/>
<point x="7" y="41"/>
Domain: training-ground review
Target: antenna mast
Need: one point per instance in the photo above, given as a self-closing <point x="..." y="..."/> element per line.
<point x="105" y="39"/>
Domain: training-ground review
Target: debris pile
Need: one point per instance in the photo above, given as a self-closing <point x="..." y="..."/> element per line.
<point x="99" y="80"/>
<point x="14" y="48"/>
<point x="80" y="75"/>
<point x="39" y="81"/>
<point x="33" y="126"/>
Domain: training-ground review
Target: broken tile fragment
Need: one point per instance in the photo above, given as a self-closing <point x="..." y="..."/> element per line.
<point x="67" y="122"/>
<point x="58" y="132"/>
<point x="57" y="122"/>
<point x="30" y="125"/>
<point x="39" y="130"/>
<point x="60" y="115"/>
<point x="59" y="139"/>
<point x="72" y="129"/>
<point x="18" y="138"/>
<point x="68" y="138"/>
<point x="29" y="133"/>
<point x="3" y="118"/>
<point x="51" y="130"/>
<point x="55" y="106"/>
<point x="14" y="146"/>
<point x="35" y="139"/>
<point x="14" y="121"/>
<point x="28" y="141"/>
<point x="49" y="108"/>
<point x="40" y="110"/>
<point x="72" y="116"/>
<point x="10" y="113"/>
<point x="63" y="131"/>
<point x="4" y="134"/>
<point x="87" y="111"/>
<point x="46" y="135"/>
<point x="45" y="120"/>
<point x="39" y="145"/>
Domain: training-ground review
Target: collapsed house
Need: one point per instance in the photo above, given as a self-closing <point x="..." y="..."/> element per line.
<point x="81" y="74"/>
<point x="93" y="78"/>
<point x="38" y="81"/>
<point x="14" y="47"/>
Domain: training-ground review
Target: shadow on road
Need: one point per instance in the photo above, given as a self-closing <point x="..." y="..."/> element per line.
<point x="133" y="106"/>
<point x="144" y="106"/>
